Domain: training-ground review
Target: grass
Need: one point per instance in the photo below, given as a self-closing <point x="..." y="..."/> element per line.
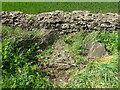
<point x="20" y="70"/>
<point x="17" y="68"/>
<point x="99" y="73"/>
<point x="75" y="42"/>
<point x="35" y="7"/>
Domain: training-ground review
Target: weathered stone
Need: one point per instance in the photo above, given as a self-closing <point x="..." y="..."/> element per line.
<point x="63" y="67"/>
<point x="81" y="20"/>
<point x="65" y="26"/>
<point x="95" y="49"/>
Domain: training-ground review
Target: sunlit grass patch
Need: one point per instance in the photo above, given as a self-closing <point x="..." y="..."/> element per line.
<point x="99" y="73"/>
<point x="107" y="59"/>
<point x="96" y="75"/>
<point x="19" y="72"/>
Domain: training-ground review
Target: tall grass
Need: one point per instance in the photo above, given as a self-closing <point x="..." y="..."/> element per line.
<point x="75" y="42"/>
<point x="17" y="68"/>
<point x="99" y="73"/>
<point x="20" y="66"/>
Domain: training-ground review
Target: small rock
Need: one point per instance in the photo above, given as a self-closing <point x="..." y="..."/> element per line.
<point x="95" y="49"/>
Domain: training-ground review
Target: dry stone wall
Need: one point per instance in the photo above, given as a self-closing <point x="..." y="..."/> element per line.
<point x="63" y="21"/>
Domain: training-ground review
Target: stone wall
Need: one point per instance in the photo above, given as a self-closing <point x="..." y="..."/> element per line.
<point x="63" y="21"/>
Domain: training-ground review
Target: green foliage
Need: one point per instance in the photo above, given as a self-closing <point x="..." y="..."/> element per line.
<point x="12" y="57"/>
<point x="26" y="77"/>
<point x="18" y="52"/>
<point x="37" y="7"/>
<point x="110" y="39"/>
<point x="79" y="60"/>
<point x="75" y="42"/>
<point x="96" y="75"/>
<point x="19" y="49"/>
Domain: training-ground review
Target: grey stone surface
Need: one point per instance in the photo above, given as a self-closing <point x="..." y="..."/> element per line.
<point x="95" y="49"/>
<point x="62" y="21"/>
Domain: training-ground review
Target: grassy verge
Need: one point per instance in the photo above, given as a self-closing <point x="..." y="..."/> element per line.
<point x="19" y="56"/>
<point x="99" y="73"/>
<point x="35" y="7"/>
<point x="20" y="66"/>
<point x="75" y="42"/>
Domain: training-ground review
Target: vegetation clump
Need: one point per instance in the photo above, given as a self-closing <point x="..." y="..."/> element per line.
<point x="28" y="55"/>
<point x="23" y="66"/>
